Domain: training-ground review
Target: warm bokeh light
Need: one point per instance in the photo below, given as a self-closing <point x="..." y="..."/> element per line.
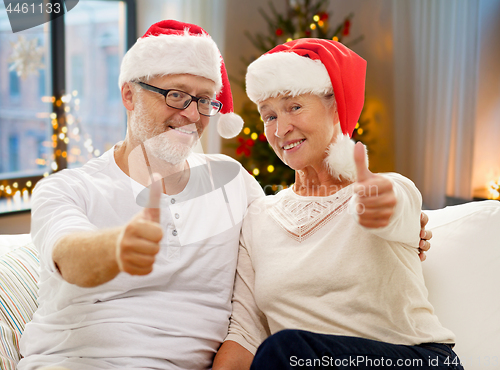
<point x="494" y="189"/>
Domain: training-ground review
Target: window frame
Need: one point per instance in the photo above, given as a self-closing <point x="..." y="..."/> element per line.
<point x="58" y="71"/>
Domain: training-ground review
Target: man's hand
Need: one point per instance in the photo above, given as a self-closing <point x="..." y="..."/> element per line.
<point x="425" y="235"/>
<point x="139" y="241"/>
<point x="376" y="200"/>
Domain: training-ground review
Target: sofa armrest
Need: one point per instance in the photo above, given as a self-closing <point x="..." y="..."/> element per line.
<point x="462" y="273"/>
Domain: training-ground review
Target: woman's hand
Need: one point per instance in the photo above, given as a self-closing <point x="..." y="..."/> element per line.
<point x="232" y="356"/>
<point x="376" y="200"/>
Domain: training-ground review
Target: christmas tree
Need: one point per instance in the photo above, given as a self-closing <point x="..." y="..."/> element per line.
<point x="302" y="18"/>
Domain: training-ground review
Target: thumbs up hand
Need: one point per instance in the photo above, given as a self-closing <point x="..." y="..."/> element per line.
<point x="376" y="200"/>
<point x="139" y="240"/>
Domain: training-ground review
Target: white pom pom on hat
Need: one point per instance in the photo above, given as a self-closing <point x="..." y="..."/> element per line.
<point x="340" y="158"/>
<point x="171" y="47"/>
<point x="229" y="125"/>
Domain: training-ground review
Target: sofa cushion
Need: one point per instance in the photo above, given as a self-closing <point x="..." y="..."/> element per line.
<point x="18" y="298"/>
<point x="10" y="242"/>
<point x="462" y="273"/>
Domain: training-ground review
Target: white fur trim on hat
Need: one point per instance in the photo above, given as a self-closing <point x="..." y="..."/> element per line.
<point x="229" y="125"/>
<point x="340" y="158"/>
<point x="172" y="54"/>
<point x="288" y="73"/>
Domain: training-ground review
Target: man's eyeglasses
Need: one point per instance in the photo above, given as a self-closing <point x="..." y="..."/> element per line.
<point x="180" y="100"/>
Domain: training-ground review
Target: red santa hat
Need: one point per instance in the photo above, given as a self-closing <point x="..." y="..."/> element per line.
<point x="171" y="47"/>
<point x="314" y="66"/>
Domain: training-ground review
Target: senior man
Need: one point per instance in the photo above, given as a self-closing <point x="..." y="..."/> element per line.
<point x="128" y="287"/>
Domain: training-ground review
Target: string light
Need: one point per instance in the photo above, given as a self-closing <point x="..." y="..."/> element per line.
<point x="312" y="26"/>
<point x="256" y="172"/>
<point x="61" y="134"/>
<point x="26" y="195"/>
<point x="254" y="136"/>
<point x="246" y="130"/>
<point x="17" y="198"/>
<point x="270" y="168"/>
<point x="335" y="38"/>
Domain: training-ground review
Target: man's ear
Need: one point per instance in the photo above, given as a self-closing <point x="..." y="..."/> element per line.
<point x="128" y="96"/>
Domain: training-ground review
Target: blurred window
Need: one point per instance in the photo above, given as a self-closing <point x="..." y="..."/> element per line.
<point x="51" y="120"/>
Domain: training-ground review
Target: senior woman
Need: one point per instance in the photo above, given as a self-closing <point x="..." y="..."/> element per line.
<point x="328" y="269"/>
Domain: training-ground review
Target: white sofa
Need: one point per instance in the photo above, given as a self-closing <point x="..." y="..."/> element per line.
<point x="462" y="273"/>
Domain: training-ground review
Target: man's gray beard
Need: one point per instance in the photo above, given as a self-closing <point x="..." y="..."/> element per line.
<point x="157" y="143"/>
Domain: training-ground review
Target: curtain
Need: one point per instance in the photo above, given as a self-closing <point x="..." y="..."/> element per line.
<point x="436" y="73"/>
<point x="487" y="148"/>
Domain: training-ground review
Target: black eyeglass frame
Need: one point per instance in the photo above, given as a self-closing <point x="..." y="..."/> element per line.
<point x="193" y="98"/>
